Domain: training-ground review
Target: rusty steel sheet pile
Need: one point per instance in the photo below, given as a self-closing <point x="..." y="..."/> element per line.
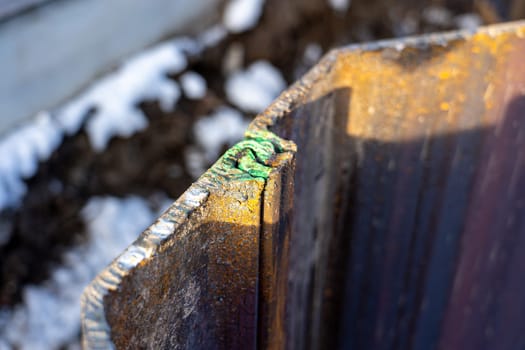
<point x="378" y="203"/>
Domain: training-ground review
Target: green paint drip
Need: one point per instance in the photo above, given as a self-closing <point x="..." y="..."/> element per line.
<point x="248" y="163"/>
<point x="254" y="154"/>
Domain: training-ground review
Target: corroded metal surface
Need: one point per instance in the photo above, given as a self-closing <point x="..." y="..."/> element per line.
<point x="392" y="217"/>
<point x="191" y="279"/>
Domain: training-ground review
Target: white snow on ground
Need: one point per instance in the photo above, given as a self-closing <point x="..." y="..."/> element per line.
<point x="195" y="161"/>
<point x="340" y="5"/>
<point x="212" y="36"/>
<point x="193" y="85"/>
<point x="224" y="126"/>
<point x="437" y="15"/>
<point x="469" y="21"/>
<point x="49" y="316"/>
<point x="20" y="153"/>
<point x="241" y="15"/>
<point x="114" y="98"/>
<point x="141" y="77"/>
<point x="312" y="53"/>
<point x="255" y="88"/>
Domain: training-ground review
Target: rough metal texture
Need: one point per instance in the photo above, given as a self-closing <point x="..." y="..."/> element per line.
<point x="393" y="218"/>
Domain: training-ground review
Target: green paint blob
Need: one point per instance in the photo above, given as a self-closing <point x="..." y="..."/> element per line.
<point x="254" y="154"/>
<point x="248" y="163"/>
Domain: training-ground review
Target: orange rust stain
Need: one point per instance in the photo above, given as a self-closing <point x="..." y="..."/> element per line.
<point x="408" y="94"/>
<point x="444" y="75"/>
<point x="444" y="106"/>
<point x="239" y="203"/>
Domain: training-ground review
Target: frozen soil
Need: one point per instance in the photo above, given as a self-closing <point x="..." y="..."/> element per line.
<point x="290" y="34"/>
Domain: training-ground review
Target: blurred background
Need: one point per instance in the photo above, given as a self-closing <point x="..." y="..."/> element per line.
<point x="109" y="110"/>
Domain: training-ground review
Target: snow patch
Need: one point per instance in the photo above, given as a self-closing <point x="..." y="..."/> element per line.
<point x="115" y="97"/>
<point x="49" y="316"/>
<point x="469" y="21"/>
<point x="255" y="88"/>
<point x="225" y="126"/>
<point x="20" y="153"/>
<point x="212" y="36"/>
<point x="407" y="26"/>
<point x="111" y="103"/>
<point x="241" y="15"/>
<point x="193" y="85"/>
<point x="195" y="161"/>
<point x="105" y="125"/>
<point x="340" y="5"/>
<point x="312" y="53"/>
<point x="437" y="15"/>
